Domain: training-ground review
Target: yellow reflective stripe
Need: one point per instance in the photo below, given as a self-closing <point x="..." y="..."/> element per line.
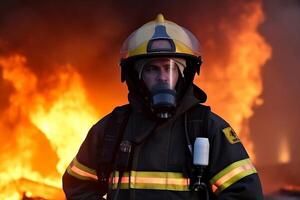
<point x="152" y="180"/>
<point x="157" y="174"/>
<point x="141" y="49"/>
<point x="83" y="167"/>
<point x="232" y="174"/>
<point x="182" y="48"/>
<point x="80" y="171"/>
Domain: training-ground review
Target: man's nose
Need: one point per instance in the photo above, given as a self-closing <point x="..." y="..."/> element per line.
<point x="163" y="75"/>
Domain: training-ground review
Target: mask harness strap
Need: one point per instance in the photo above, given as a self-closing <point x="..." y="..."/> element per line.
<point x="124" y="159"/>
<point x="199" y="129"/>
<point x="111" y="140"/>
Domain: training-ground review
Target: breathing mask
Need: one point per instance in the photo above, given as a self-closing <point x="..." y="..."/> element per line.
<point x="160" y="76"/>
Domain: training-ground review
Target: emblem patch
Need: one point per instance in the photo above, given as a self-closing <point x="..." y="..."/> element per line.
<point x="231" y="135"/>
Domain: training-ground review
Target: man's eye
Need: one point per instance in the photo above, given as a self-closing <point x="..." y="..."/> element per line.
<point x="170" y="68"/>
<point x="151" y="68"/>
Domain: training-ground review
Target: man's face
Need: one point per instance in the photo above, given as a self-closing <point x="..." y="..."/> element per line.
<point x="160" y="71"/>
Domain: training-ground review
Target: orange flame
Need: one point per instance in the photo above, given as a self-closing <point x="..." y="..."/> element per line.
<point x="284" y="150"/>
<point x="63" y="114"/>
<point x="56" y="118"/>
<point x="235" y="88"/>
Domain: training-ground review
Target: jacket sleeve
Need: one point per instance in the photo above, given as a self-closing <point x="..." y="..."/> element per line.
<point x="80" y="181"/>
<point x="231" y="173"/>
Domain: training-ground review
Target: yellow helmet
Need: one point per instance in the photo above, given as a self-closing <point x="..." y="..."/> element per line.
<point x="160" y="37"/>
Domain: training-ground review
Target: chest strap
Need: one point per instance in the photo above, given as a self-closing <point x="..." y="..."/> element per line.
<point x="111" y="140"/>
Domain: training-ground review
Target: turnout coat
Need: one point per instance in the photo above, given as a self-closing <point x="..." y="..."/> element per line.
<point x="161" y="166"/>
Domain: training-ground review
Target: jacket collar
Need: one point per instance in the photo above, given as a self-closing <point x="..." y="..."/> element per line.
<point x="193" y="96"/>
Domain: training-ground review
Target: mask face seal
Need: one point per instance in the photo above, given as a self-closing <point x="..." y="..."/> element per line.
<point x="160" y="76"/>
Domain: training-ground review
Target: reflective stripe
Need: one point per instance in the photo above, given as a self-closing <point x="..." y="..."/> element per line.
<point x="232" y="174"/>
<point x="151" y="180"/>
<point x="80" y="171"/>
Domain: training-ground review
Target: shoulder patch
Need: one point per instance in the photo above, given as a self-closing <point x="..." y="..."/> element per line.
<point x="231" y="135"/>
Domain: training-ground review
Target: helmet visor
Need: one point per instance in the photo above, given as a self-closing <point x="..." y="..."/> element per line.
<point x="159" y="73"/>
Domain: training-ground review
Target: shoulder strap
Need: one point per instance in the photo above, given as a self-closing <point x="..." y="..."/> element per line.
<point x="196" y="125"/>
<point x="197" y="121"/>
<point x="113" y="133"/>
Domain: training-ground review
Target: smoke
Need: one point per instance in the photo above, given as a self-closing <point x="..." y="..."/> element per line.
<point x="280" y="113"/>
<point x="279" y="116"/>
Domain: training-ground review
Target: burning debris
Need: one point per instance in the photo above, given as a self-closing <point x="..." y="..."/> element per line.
<point x="32" y="190"/>
<point x="56" y="114"/>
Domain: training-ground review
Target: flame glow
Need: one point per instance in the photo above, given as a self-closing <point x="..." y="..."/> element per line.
<point x="284" y="150"/>
<point x="46" y="120"/>
<point x="234" y="89"/>
<point x="61" y="113"/>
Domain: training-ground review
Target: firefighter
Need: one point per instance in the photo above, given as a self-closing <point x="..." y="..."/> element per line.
<point x="144" y="150"/>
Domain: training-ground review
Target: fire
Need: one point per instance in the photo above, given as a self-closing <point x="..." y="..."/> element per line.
<point x="62" y="114"/>
<point x="46" y="120"/>
<point x="284" y="150"/>
<point x="68" y="119"/>
<point x="235" y="88"/>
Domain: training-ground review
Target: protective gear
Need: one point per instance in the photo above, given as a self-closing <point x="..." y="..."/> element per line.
<point x="156" y="39"/>
<point x="160" y="76"/>
<point x="180" y="62"/>
<point x="160" y="163"/>
<point x="163" y="102"/>
<point x="160" y="37"/>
